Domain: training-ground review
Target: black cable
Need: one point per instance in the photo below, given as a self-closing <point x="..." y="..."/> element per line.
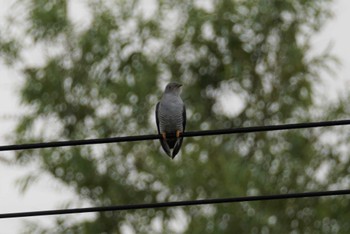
<point x="175" y="204"/>
<point x="186" y="134"/>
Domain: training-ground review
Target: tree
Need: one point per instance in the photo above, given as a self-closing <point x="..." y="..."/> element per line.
<point x="104" y="80"/>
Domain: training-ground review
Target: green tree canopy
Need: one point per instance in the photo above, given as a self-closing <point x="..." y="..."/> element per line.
<point x="242" y="63"/>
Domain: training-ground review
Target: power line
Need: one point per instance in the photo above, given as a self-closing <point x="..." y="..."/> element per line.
<point x="186" y="134"/>
<point x="175" y="204"/>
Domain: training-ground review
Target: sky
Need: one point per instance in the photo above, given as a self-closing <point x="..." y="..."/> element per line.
<point x="48" y="194"/>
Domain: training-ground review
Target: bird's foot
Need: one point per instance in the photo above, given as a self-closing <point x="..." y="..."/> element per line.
<point x="164" y="135"/>
<point x="178" y="132"/>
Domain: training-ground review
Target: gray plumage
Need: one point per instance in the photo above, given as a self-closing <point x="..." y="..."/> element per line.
<point x="171" y="119"/>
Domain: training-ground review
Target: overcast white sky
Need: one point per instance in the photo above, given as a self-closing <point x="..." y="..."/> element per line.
<point x="49" y="195"/>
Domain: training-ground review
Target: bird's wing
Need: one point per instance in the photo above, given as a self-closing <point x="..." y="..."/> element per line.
<point x="179" y="141"/>
<point x="163" y="143"/>
<point x="184" y="118"/>
<point x="157" y="118"/>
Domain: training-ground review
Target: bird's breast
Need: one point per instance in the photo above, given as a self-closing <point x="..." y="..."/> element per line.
<point x="171" y="115"/>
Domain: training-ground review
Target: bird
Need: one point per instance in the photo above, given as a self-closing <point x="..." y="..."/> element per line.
<point x="171" y="119"/>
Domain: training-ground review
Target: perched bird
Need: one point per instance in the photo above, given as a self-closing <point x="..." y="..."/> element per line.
<point x="171" y="119"/>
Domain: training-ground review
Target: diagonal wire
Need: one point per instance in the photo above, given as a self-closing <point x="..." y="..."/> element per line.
<point x="176" y="204"/>
<point x="185" y="134"/>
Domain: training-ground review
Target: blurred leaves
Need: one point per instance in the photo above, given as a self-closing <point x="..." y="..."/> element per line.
<point x="105" y="80"/>
<point x="47" y="18"/>
<point x="8" y="49"/>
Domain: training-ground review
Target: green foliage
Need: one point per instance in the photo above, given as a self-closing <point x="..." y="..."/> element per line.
<point x="47" y="18"/>
<point x="8" y="49"/>
<point x="107" y="78"/>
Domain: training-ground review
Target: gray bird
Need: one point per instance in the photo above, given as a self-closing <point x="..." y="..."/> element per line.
<point x="171" y="119"/>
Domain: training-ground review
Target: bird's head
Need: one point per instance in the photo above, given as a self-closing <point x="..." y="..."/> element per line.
<point x="173" y="88"/>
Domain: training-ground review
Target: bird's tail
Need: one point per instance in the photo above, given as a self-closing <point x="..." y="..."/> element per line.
<point x="165" y="147"/>
<point x="177" y="147"/>
<point x="174" y="144"/>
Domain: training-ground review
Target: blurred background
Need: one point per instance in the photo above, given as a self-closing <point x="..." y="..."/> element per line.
<point x="91" y="69"/>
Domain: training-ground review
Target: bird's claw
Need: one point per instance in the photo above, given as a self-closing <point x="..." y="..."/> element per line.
<point x="178" y="132"/>
<point x="164" y="135"/>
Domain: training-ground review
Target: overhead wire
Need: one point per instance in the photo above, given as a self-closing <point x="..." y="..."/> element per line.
<point x="185" y="134"/>
<point x="175" y="204"/>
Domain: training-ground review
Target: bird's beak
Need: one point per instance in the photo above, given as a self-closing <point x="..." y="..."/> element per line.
<point x="179" y="85"/>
